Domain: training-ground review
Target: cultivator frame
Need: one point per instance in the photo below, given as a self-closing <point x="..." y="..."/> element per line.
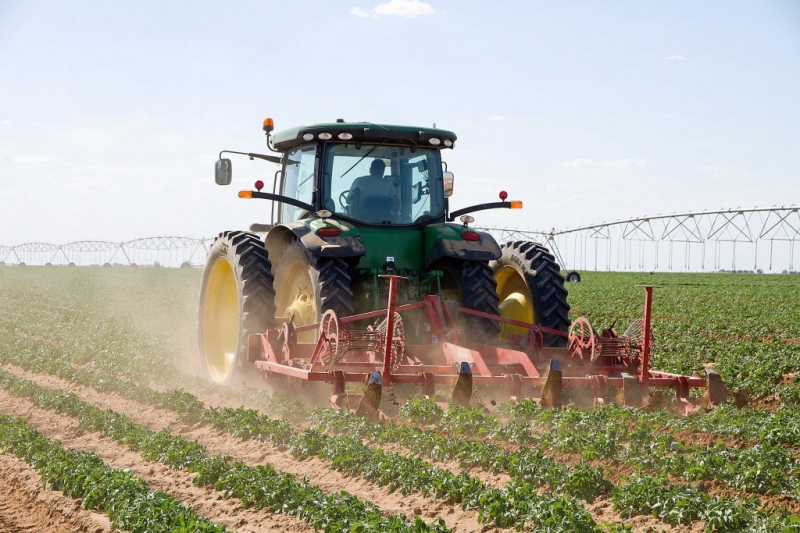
<point x="380" y="357"/>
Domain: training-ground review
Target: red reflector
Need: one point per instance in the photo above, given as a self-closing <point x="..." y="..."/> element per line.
<point x="470" y="236"/>
<point x="259" y="185"/>
<point x="329" y="232"/>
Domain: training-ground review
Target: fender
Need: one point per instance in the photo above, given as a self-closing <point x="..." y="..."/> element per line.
<point x="444" y="240"/>
<point x="347" y="244"/>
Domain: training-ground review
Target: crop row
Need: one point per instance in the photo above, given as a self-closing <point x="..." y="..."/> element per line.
<point x="260" y="486"/>
<point x="760" y="469"/>
<point x="516" y="504"/>
<point x="410" y="473"/>
<point x="604" y="433"/>
<point x="125" y="498"/>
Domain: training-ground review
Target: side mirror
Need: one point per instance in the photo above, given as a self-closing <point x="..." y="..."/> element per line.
<point x="223" y="172"/>
<point x="449" y="177"/>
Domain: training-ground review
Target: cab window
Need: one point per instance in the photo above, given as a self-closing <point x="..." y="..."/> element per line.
<point x="298" y="182"/>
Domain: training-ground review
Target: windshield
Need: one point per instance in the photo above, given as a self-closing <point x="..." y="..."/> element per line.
<point x="383" y="184"/>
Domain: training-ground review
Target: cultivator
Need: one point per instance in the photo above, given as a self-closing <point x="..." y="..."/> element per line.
<point x="594" y="367"/>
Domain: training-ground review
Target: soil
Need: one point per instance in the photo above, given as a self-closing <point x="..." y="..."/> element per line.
<point x="26" y="505"/>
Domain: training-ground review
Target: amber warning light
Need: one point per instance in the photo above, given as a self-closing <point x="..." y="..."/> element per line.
<point x="269" y="125"/>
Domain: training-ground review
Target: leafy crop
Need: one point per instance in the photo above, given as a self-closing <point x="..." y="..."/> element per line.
<point x="127" y="500"/>
<point x="260" y="486"/>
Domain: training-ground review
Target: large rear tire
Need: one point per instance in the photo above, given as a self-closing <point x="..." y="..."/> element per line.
<point x="471" y="284"/>
<point x="305" y="288"/>
<point x="531" y="289"/>
<point x="236" y="300"/>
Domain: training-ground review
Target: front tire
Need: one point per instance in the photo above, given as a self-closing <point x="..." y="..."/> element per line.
<point x="531" y="289"/>
<point x="237" y="299"/>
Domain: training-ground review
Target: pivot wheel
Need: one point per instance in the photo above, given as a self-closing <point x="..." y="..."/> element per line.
<point x="531" y="289"/>
<point x="236" y="300"/>
<point x="307" y="287"/>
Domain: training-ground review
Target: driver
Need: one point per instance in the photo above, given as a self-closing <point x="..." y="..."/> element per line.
<point x="372" y="186"/>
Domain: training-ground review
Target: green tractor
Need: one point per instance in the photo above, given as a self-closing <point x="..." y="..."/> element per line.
<point x="352" y="202"/>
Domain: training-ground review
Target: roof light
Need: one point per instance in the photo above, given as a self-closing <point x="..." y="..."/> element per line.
<point x="269" y="125"/>
<point x="516" y="204"/>
<point x="434" y="141"/>
<point x="245" y="194"/>
<point x="308" y="136"/>
<point x="325" y="136"/>
<point x="470" y="236"/>
<point x="448" y="143"/>
<point x="345" y="136"/>
<point x="328" y="231"/>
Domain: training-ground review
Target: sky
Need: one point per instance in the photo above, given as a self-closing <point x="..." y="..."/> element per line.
<point x="112" y="114"/>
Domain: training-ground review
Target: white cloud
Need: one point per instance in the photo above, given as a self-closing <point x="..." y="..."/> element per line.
<point x="674" y="58"/>
<point x="357" y="11"/>
<point x="583" y="162"/>
<point x="500" y="118"/>
<point x="396" y="8"/>
<point x="6" y="122"/>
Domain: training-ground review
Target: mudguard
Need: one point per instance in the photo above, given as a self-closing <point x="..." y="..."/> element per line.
<point x="347" y="244"/>
<point x="444" y="240"/>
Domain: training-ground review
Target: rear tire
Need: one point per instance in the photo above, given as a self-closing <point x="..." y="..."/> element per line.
<point x="237" y="299"/>
<point x="307" y="287"/>
<point x="473" y="284"/>
<point x="531" y="289"/>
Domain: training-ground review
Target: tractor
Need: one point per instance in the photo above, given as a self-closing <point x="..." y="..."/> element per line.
<point x="367" y="273"/>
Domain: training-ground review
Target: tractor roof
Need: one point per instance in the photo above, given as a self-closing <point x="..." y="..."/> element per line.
<point x="366" y="132"/>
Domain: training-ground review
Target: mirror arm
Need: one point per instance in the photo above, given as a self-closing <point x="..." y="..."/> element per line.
<point x="270" y="158"/>
<point x="284" y="199"/>
<point x="480" y="207"/>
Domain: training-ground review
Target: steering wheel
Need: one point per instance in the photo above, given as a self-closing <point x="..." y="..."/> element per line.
<point x="344" y="199"/>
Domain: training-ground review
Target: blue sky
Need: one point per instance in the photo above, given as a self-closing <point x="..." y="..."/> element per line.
<point x="112" y="113"/>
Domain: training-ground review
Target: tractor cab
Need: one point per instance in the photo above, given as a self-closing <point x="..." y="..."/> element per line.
<point x="362" y="173"/>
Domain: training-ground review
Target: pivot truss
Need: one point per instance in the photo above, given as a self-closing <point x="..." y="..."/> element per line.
<point x="757" y="239"/>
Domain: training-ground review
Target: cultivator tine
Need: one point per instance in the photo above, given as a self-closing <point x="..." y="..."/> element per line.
<point x="715" y="393"/>
<point x="631" y="391"/>
<point x="551" y="393"/>
<point x="371" y="401"/>
<point x="462" y="390"/>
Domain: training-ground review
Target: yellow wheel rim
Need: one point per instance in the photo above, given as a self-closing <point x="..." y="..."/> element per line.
<point x="515" y="300"/>
<point x="294" y="297"/>
<point x="220" y="321"/>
